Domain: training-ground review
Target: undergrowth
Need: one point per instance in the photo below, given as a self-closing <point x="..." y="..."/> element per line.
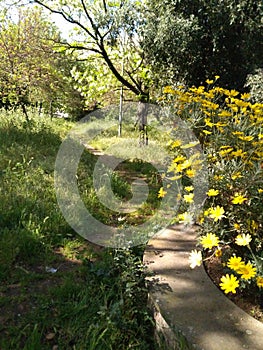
<point x="58" y="291"/>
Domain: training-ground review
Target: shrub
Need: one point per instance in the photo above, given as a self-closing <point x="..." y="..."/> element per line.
<point x="229" y="128"/>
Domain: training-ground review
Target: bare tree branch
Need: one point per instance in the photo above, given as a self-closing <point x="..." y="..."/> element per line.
<point x="94" y="27"/>
<point x="67" y="18"/>
<point x="117" y="74"/>
<point x="82" y="47"/>
<point x="98" y="44"/>
<point x="136" y="83"/>
<point x="105" y="7"/>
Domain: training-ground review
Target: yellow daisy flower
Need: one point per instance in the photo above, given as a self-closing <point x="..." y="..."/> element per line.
<point x="245" y="96"/>
<point x="223" y="152"/>
<point x="176" y="143"/>
<point x="247" y="271"/>
<point x="235" y="263"/>
<point x="217" y="213"/>
<point x="209" y="241"/>
<point x="239" y="153"/>
<point x="189" y="198"/>
<point x="212" y="192"/>
<point x="179" y="159"/>
<point x="224" y="114"/>
<point x="218" y="177"/>
<point x="232" y="93"/>
<point x="238" y="199"/>
<point x="189" y="188"/>
<point x="236" y="175"/>
<point x="207" y="132"/>
<point x="229" y="283"/>
<point x="168" y="90"/>
<point x="259" y="281"/>
<point x="208" y="122"/>
<point x="237" y="226"/>
<point x="246" y="138"/>
<point x="161" y="193"/>
<point x="190" y="172"/>
<point x="237" y="133"/>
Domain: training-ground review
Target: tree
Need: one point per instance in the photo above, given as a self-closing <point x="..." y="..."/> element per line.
<point x="101" y="26"/>
<point x="97" y="84"/>
<point x="25" y="59"/>
<point x="193" y="40"/>
<point x="31" y="71"/>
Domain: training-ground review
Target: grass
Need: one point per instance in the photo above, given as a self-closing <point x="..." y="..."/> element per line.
<point x="58" y="291"/>
<point x="122" y="177"/>
<point x="93" y="305"/>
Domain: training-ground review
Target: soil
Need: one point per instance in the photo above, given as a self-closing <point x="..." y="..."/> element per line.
<point x="247" y="302"/>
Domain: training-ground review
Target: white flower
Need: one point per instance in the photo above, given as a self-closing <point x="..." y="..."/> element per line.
<point x="195" y="258"/>
<point x="186" y="218"/>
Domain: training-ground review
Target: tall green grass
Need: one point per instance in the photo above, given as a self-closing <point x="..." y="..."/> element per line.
<point x="30" y="219"/>
<point x="97" y="299"/>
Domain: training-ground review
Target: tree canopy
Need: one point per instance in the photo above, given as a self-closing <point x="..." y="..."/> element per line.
<point x="193" y="40"/>
<point x="31" y="70"/>
<point x="101" y="28"/>
<point x="25" y="57"/>
<point x="138" y="45"/>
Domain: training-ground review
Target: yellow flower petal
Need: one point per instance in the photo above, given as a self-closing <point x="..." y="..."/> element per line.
<point x="212" y="192"/>
<point x="209" y="241"/>
<point x="229" y="283"/>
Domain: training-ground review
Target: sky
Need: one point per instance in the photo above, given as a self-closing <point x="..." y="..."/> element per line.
<point x="62" y="25"/>
<point x="59" y="21"/>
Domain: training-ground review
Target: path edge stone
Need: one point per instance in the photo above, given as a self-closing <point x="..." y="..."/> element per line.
<point x="217" y="324"/>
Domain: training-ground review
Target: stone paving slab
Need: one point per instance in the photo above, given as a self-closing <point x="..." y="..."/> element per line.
<point x="187" y="301"/>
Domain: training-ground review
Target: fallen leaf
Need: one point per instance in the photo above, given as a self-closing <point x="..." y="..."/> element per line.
<point x="50" y="336"/>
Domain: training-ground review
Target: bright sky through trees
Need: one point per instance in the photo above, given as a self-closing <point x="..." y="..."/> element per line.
<point x="64" y="27"/>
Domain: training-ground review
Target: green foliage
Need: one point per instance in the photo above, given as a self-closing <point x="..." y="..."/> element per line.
<point x="229" y="128"/>
<point x="104" y="310"/>
<point x="191" y="40"/>
<point x="99" y="86"/>
<point x="32" y="72"/>
<point x="96" y="299"/>
<point x="96" y="83"/>
<point x="28" y="153"/>
<point x="101" y="305"/>
<point x="24" y="57"/>
<point x="110" y="31"/>
<point x="255" y="84"/>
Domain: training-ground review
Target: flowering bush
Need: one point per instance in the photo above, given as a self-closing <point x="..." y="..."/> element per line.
<point x="230" y="131"/>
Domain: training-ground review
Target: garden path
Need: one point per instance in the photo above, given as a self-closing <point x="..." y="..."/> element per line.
<point x="186" y="301"/>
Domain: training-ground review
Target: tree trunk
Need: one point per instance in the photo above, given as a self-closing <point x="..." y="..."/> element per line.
<point x="25" y="112"/>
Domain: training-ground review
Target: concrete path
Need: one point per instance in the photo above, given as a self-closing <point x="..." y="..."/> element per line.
<point x="186" y="301"/>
